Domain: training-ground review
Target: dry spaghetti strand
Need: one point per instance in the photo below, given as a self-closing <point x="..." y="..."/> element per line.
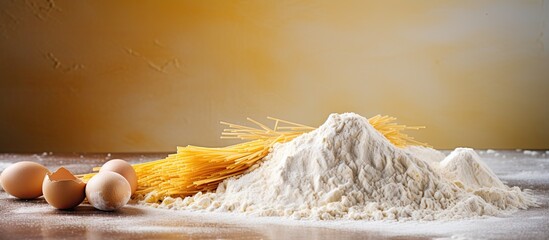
<point x="196" y="169"/>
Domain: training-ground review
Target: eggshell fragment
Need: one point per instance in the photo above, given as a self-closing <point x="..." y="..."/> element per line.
<point x="123" y="168"/>
<point x="63" y="190"/>
<point x="108" y="191"/>
<point x="24" y="179"/>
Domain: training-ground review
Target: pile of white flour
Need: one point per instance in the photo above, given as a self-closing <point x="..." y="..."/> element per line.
<point x="346" y="169"/>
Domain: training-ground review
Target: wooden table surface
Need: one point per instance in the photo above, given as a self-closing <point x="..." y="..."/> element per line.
<point x="20" y="219"/>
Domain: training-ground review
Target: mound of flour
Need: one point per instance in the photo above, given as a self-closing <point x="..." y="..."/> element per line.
<point x="346" y="169"/>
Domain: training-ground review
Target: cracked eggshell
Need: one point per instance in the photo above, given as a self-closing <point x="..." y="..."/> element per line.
<point x="24" y="179"/>
<point x="62" y="190"/>
<point x="108" y="191"/>
<point x="123" y="168"/>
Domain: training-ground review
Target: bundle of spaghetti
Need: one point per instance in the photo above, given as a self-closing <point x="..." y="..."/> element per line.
<point x="196" y="169"/>
<point x="394" y="132"/>
<point x="200" y="169"/>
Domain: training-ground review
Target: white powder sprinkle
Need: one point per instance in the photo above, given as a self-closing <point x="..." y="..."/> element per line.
<point x="33" y="209"/>
<point x="531" y="153"/>
<point x="4" y="165"/>
<point x="346" y="169"/>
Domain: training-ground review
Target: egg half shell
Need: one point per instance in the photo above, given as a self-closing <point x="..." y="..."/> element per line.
<point x="123" y="168"/>
<point x="108" y="191"/>
<point x="24" y="179"/>
<point x="62" y="190"/>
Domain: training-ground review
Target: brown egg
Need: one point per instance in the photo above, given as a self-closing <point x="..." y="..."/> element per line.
<point x="62" y="190"/>
<point x="24" y="179"/>
<point x="108" y="191"/>
<point x="123" y="168"/>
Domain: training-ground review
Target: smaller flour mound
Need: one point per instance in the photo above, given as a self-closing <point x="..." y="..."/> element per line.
<point x="346" y="169"/>
<point x="465" y="169"/>
<point x="464" y="166"/>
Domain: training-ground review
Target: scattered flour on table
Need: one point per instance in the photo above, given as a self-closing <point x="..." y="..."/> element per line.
<point x="33" y="209"/>
<point x="133" y="228"/>
<point x="346" y="169"/>
<point x="491" y="151"/>
<point x="3" y="165"/>
<point x="531" y="153"/>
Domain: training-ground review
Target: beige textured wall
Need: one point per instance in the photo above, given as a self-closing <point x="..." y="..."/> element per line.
<point x="149" y="75"/>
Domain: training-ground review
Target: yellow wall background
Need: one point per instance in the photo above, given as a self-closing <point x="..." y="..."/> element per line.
<point x="150" y="75"/>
